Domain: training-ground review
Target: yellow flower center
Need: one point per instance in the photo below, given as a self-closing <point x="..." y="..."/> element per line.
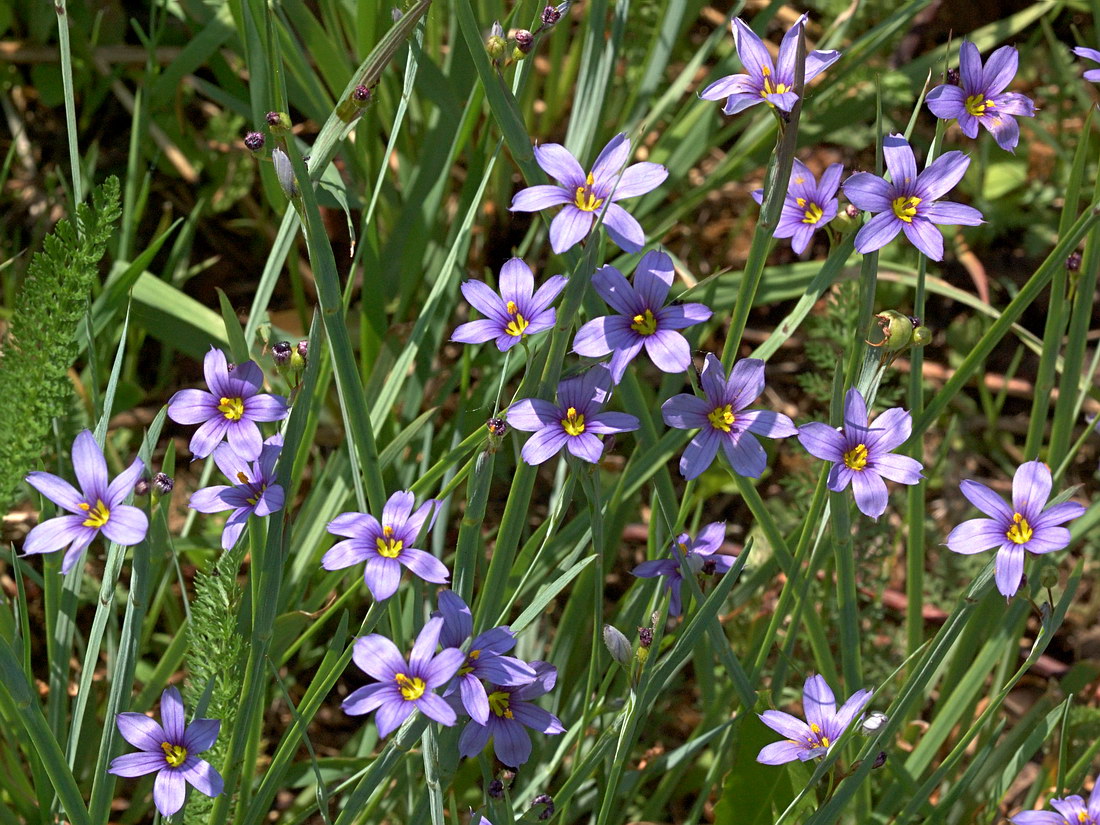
<point x="573" y="422"/>
<point x="97" y="516"/>
<point x="498" y="703"/>
<point x="586" y="198"/>
<point x="817" y="740"/>
<point x="174" y="755"/>
<point x="644" y="323"/>
<point x="472" y="656"/>
<point x="1020" y="532"/>
<point x="1082" y="817"/>
<point x="518" y="323"/>
<point x="722" y="418"/>
<point x="812" y="213"/>
<point x="772" y="88"/>
<point x="232" y="408"/>
<point x="387" y="545"/>
<point x="856" y="458"/>
<point x="411" y="688"/>
<point x="977" y="104"/>
<point x="906" y="208"/>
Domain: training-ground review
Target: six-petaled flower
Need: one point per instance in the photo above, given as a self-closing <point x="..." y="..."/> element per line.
<point x="170" y="749"/>
<point x="511" y="712"/>
<point x="584" y="196"/>
<point x="403" y="687"/>
<point x="824" y="724"/>
<point x="643" y="319"/>
<point x="1027" y="525"/>
<point x="862" y="454"/>
<point x="98" y="505"/>
<point x="808" y="205"/>
<point x="576" y="422"/>
<point x="981" y="96"/>
<point x="229" y="410"/>
<point x="697" y="551"/>
<point x="765" y="81"/>
<point x="253" y="490"/>
<point x="723" y="420"/>
<point x="385" y="545"/>
<point x="909" y="202"/>
<point x="513" y="314"/>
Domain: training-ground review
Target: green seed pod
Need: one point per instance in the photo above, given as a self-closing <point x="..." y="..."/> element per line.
<point x="496" y="45"/>
<point x="1048" y="576"/>
<point x="921" y="336"/>
<point x="278" y="122"/>
<point x="897" y="330"/>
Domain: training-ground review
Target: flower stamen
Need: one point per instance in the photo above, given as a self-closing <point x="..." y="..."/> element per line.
<point x="573" y="422"/>
<point x="905" y="208"/>
<point x="856" y="458"/>
<point x="97" y="516"/>
<point x="977" y="104"/>
<point x="812" y="214"/>
<point x="644" y="323"/>
<point x="387" y="546"/>
<point x="232" y="408"/>
<point x="585" y="198"/>
<point x="174" y="755"/>
<point x="722" y="418"/>
<point x="498" y="703"/>
<point x="412" y="688"/>
<point x="1020" y="532"/>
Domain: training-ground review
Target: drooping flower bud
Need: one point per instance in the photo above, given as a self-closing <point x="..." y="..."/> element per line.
<point x="300" y="356"/>
<point x="645" y="636"/>
<point x="896" y="329"/>
<point x="142" y="486"/>
<point x="1073" y="262"/>
<point x="361" y="96"/>
<point x="496" y="789"/>
<point x="953" y="77"/>
<point x="524" y="42"/>
<point x="880" y="760"/>
<point x="873" y="722"/>
<point x="552" y="14"/>
<point x="495" y="44"/>
<point x="280" y="353"/>
<point x="284" y="172"/>
<point x="278" y="122"/>
<point x="254" y="141"/>
<point x="162" y="484"/>
<point x="922" y="336"/>
<point x="617" y="645"/>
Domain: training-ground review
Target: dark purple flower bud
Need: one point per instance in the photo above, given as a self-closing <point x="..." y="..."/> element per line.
<point x="851" y="212"/>
<point x="496" y="789"/>
<point x="709" y="566"/>
<point x="1073" y="262"/>
<point x="280" y="353"/>
<point x="547" y="800"/>
<point x="497" y="427"/>
<point x="303" y="348"/>
<point x="142" y="486"/>
<point x="278" y="122"/>
<point x="254" y="141"/>
<point x="550" y="16"/>
<point x="645" y="636"/>
<point x="162" y="484"/>
<point x="953" y="77"/>
<point x="880" y="760"/>
<point x="524" y="41"/>
<point x="361" y="95"/>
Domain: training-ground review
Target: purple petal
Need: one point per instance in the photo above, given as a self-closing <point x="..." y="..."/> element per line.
<point x="536" y="718"/>
<point x="89" y="466"/>
<point x="435" y="708"/>
<point x="785" y="725"/>
<point x="745" y="454"/>
<point x="1048" y="540"/>
<point x="476" y="332"/>
<point x="141" y="732"/>
<point x="378" y="657"/>
<point x="126" y="526"/>
<point x="611" y="159"/>
<point x="266" y="408"/>
<point x="390" y="716"/>
<point x="713" y="380"/>
<point x="734" y="84"/>
<point x="899" y="162"/>
<point x="653" y="278"/>
<point x="215" y="369"/>
<point x="685" y="412"/>
<point x="559" y="163"/>
<point x="766" y="423"/>
<point x="1037" y="818"/>
<point x="780" y="753"/>
<point x="1005" y="130"/>
<point x="1058" y="514"/>
<point x="425" y="565"/>
<point x="532" y="414"/>
<point x="891" y="429"/>
<point x="751" y="50"/>
<point x="970" y="68"/>
<point x="878" y="232"/>
<point x="473" y="739"/>
<point x="1031" y="488"/>
<point x="605" y="423"/>
<point x="925" y="237"/>
<point x="171" y="715"/>
<point x="976" y="536"/>
<point x="941" y="176"/>
<point x="682" y="316"/>
<point x="55" y="533"/>
<point x="244" y="437"/>
<point x="511" y="744"/>
<point x="415" y="522"/>
<point x="397" y="509"/>
<point x="586" y="447"/>
<point x="818" y="702"/>
<point x="784" y="101"/>
<point x="192" y="406"/>
<point x="57" y="490"/>
<point x="516" y="281"/>
<point x="849" y="711"/>
<point x="947" y="102"/>
<point x="119" y="489"/>
<point x="485" y="301"/>
<point x="953" y="214"/>
<point x="638" y="179"/>
<point x="474" y="698"/>
<point x="818" y="61"/>
<point x="443" y="667"/>
<point x="669" y="351"/>
<point x="868" y="192"/>
<point x="368" y="698"/>
<point x="591" y="339"/>
<point x="355" y="525"/>
<point x="740" y="102"/>
<point x="209" y="499"/>
<point x="985" y="500"/>
<point x="202" y="776"/>
<point x="206" y="438"/>
<point x="544" y="445"/>
<point x="870" y="492"/>
<point x="788" y="52"/>
<point x="201" y="735"/>
<point x="382" y="576"/>
<point x="545" y="296"/>
<point x="617" y="292"/>
<point x="568" y="228"/>
<point x="623" y="229"/>
<point x="625" y="352"/>
<point x="822" y="441"/>
<point x="899" y="468"/>
<point x="700" y="453"/>
<point x="999" y="70"/>
<point x="426" y="642"/>
<point x="137" y="764"/>
<point x="1009" y="568"/>
<point x="537" y="198"/>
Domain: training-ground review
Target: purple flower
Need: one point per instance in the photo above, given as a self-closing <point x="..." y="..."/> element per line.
<point x="575" y="422"/>
<point x="909" y="202"/>
<point x="981" y="97"/>
<point x="643" y="319"/>
<point x="386" y="546"/>
<point x="513" y="314"/>
<point x="808" y="205"/>
<point x="823" y="726"/>
<point x="511" y="712"/>
<point x="253" y="491"/>
<point x="169" y="750"/>
<point x="724" y="421"/>
<point x="583" y="196"/>
<point x="1071" y="811"/>
<point x="766" y="82"/>
<point x="484" y="660"/>
<point x="97" y="505"/>
<point x="403" y="686"/>
<point x="1023" y="526"/>
<point x="862" y="454"/>
<point x="698" y="551"/>
<point x="229" y="410"/>
<point x="1091" y="75"/>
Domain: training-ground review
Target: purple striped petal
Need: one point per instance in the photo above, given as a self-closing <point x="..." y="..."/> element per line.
<point x="559" y="163"/>
<point x="568" y="228"/>
<point x="1009" y="568"/>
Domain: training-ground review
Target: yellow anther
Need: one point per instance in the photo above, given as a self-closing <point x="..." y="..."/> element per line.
<point x="977" y="104"/>
<point x="498" y="703"/>
<point x="411" y="688"/>
<point x="722" y="418"/>
<point x="856" y="458"/>
<point x="1020" y="532"/>
<point x="644" y="323"/>
<point x="174" y="755"/>
<point x="906" y="207"/>
<point x="585" y="198"/>
<point x="573" y="422"/>
<point x="97" y="516"/>
<point x="232" y="408"/>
